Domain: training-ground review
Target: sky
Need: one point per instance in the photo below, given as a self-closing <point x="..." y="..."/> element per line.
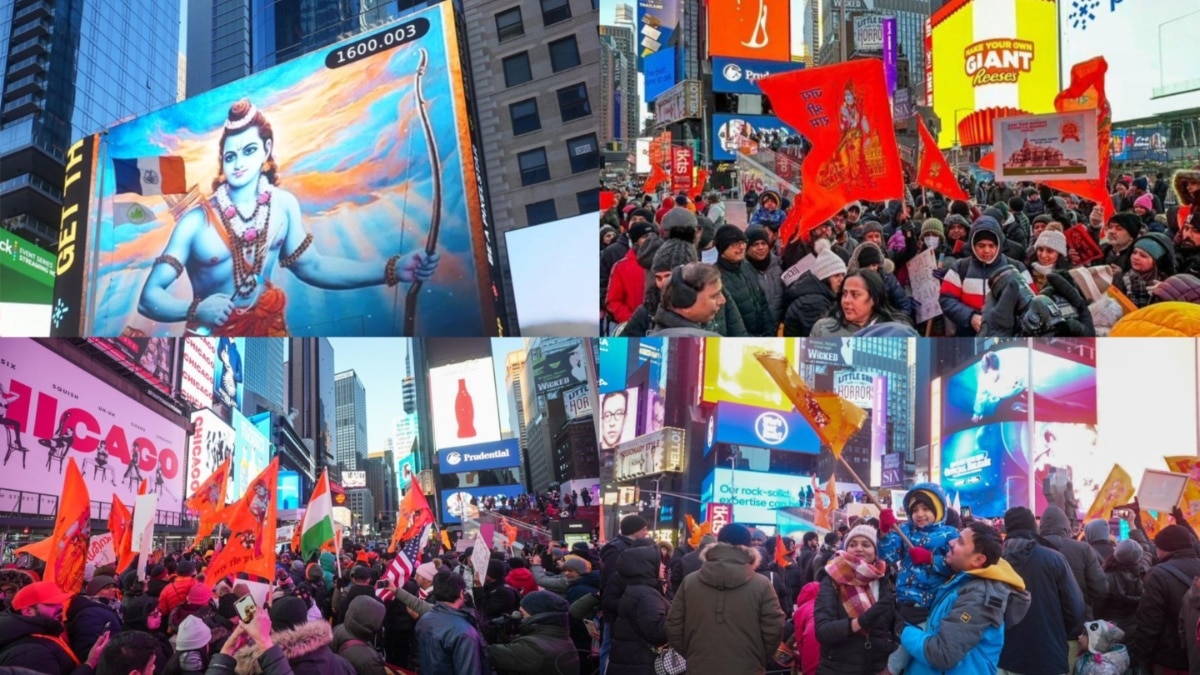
<point x="381" y="364"/>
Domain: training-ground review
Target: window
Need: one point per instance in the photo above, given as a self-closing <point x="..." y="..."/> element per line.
<point x="534" y="168"/>
<point x="509" y="25"/>
<point x="584" y="152"/>
<point x="554" y="11"/>
<point x="516" y="70"/>
<point x="588" y="201"/>
<point x="573" y="102"/>
<point x="564" y="54"/>
<point x="524" y="116"/>
<point x="541" y="212"/>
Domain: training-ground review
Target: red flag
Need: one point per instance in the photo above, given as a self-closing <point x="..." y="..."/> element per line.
<point x="120" y="524"/>
<point x="209" y="500"/>
<point x="681" y="169"/>
<point x="780" y="552"/>
<point x="657" y="175"/>
<point x="414" y="514"/>
<point x="251" y="521"/>
<point x="701" y="179"/>
<point x="1080" y="243"/>
<point x="934" y="172"/>
<point x="844" y="112"/>
<point x="608" y="199"/>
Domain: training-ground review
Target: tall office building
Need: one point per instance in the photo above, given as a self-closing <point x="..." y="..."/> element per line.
<point x="311" y="394"/>
<point x="910" y="31"/>
<point x="625" y="16"/>
<point x="264" y="376"/>
<point x="535" y="66"/>
<point x="362" y="506"/>
<point x="69" y="69"/>
<point x="619" y="118"/>
<point x="350" y="398"/>
<point x="381" y="481"/>
<point x="519" y="395"/>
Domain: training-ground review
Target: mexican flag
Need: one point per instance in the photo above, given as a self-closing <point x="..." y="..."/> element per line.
<point x="317" y="529"/>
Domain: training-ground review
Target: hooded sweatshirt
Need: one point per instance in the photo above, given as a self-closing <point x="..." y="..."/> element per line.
<point x="1085" y="563"/>
<point x="918" y="584"/>
<point x="968" y="622"/>
<point x="965" y="286"/>
<point x="1038" y="645"/>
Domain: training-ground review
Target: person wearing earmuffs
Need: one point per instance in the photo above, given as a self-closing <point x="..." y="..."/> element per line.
<point x="691" y="298"/>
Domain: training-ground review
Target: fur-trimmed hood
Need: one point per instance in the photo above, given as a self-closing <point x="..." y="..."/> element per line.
<point x="1183" y="176"/>
<point x="295" y="643"/>
<point x="728" y="566"/>
<point x="888" y="266"/>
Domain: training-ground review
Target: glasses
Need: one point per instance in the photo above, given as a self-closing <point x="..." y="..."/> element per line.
<point x="613" y="416"/>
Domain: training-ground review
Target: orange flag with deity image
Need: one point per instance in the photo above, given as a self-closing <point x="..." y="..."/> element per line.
<point x="209" y="500"/>
<point x="72" y="533"/>
<point x="844" y="112"/>
<point x="934" y="172"/>
<point x="251" y="521"/>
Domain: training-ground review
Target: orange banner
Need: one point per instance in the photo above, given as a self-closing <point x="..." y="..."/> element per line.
<point x="934" y="172"/>
<point x="72" y="533"/>
<point x="834" y="418"/>
<point x="209" y="500"/>
<point x="1118" y="489"/>
<point x="845" y="113"/>
<point x="414" y="514"/>
<point x="749" y="29"/>
<point x="251" y="545"/>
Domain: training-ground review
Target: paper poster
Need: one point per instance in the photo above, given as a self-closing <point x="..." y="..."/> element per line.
<point x="479" y="560"/>
<point x="925" y="286"/>
<point x="796" y="271"/>
<point x="1055" y="146"/>
<point x="1161" y="490"/>
<point x="100" y="553"/>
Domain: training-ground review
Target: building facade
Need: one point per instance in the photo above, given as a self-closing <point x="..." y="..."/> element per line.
<point x="381" y="481"/>
<point x="69" y="69"/>
<point x="350" y="400"/>
<point x="311" y="395"/>
<point x="619" y="116"/>
<point x="264" y="376"/>
<point x="362" y="506"/>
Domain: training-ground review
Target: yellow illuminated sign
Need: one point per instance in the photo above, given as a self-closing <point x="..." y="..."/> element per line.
<point x="992" y="58"/>
<point x="731" y="373"/>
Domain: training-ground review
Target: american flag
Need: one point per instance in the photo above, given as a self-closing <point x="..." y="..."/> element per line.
<point x="408" y="556"/>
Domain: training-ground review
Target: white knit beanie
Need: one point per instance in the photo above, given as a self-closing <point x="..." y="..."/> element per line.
<point x="862" y="531"/>
<point x="828" y="263"/>
<point x="193" y="634"/>
<point x="1053" y="240"/>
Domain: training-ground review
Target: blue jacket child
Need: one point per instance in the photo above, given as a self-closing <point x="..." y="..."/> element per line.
<point x="923" y="568"/>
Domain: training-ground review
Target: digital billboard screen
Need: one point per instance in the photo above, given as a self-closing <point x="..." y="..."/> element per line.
<point x="995" y="388"/>
<point x="465" y="503"/>
<point x="761" y="428"/>
<point x="732" y="131"/>
<point x="758" y="493"/>
<point x="463" y="398"/>
<point x="64" y="412"/>
<point x="211" y="442"/>
<point x="553" y="294"/>
<point x="731" y="373"/>
<point x="479" y="457"/>
<point x="354" y="479"/>
<point x="288" y="496"/>
<point x="558" y="364"/>
<point x="26" y="287"/>
<point x="196" y="371"/>
<point x="251" y="452"/>
<point x="228" y="375"/>
<point x="151" y="359"/>
<point x="618" y="418"/>
<point x="297" y="201"/>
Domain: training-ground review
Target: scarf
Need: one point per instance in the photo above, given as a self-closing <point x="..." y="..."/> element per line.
<point x="853" y="579"/>
<point x="760" y="265"/>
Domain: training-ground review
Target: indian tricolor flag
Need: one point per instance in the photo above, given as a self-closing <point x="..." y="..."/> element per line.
<point x="150" y="176"/>
<point x="317" y="529"/>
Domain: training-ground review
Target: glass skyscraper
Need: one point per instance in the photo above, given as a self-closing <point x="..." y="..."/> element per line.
<point x="70" y="69"/>
<point x="263" y="376"/>
<point x="351" y="418"/>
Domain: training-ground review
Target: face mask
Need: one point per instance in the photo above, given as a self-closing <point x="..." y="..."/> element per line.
<point x="931" y="242"/>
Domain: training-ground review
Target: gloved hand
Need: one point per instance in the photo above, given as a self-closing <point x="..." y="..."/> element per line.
<point x="877" y="611"/>
<point x="887" y="520"/>
<point x="939" y="273"/>
<point x="920" y="556"/>
<point x="897" y="243"/>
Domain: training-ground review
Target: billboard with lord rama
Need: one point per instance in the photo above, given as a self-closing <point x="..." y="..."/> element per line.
<point x="340" y="193"/>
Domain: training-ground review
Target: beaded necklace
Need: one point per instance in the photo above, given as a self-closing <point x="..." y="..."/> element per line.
<point x="248" y="238"/>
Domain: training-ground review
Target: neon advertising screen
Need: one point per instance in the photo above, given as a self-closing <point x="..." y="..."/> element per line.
<point x="299" y="197"/>
<point x="987" y="442"/>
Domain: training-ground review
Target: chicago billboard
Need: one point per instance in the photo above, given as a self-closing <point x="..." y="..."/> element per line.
<point x="337" y="204"/>
<point x="26" y="287"/>
<point x="57" y="410"/>
<point x="196" y="371"/>
<point x="463" y="398"/>
<point x="991" y="59"/>
<point x="211" y="442"/>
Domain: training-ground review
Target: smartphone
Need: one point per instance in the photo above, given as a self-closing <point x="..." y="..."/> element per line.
<point x="966" y="512"/>
<point x="246" y="607"/>
<point x="381" y="584"/>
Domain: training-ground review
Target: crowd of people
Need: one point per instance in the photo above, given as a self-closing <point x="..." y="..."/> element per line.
<point x="1016" y="260"/>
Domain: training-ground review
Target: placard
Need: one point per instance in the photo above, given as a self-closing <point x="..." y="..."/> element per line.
<point x="925" y="287"/>
<point x="1161" y="490"/>
<point x="1055" y="146"/>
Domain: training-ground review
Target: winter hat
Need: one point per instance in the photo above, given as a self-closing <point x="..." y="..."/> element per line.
<point x="931" y="500"/>
<point x="314" y="573"/>
<point x="1172" y="538"/>
<point x="1016" y="204"/>
<point x="581" y="548"/>
<point x="871" y="226"/>
<point x="679" y="217"/>
<point x="364" y="615"/>
<point x="828" y="263"/>
<point x="639" y="230"/>
<point x="1141" y="183"/>
<point x="186" y="568"/>
<point x="770" y="194"/>
<point x="427" y="571"/>
<point x="157" y="571"/>
<point x="862" y="531"/>
<point x="1096" y="530"/>
<point x="955" y="219"/>
<point x="887" y="329"/>
<point x="199" y="594"/>
<point x="496" y="570"/>
<point x="1145" y="201"/>
<point x="1043" y="218"/>
<point x="1019" y="518"/>
<point x="998" y="212"/>
<point x="193" y="634"/>
<point x="1102" y="636"/>
<point x="673" y="253"/>
<point x="227" y="606"/>
<point x="1151" y="246"/>
<point x="726" y="236"/>
<point x="706" y="540"/>
<point x="1180" y="287"/>
<point x="868" y="254"/>
<point x="544" y="602"/>
<point x="707" y="232"/>
<point x="298" y="566"/>
<point x="99" y="583"/>
<point x="632" y="524"/>
<point x="1128" y="222"/>
<point x="934" y="226"/>
<point x="287" y="613"/>
<point x="574" y="562"/>
<point x="1128" y="552"/>
<point x="756" y="234"/>
<point x="735" y="534"/>
<point x="1055" y="241"/>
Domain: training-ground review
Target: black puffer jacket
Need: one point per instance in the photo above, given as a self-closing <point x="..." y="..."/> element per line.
<point x="1157" y="639"/>
<point x="1124" y="593"/>
<point x="20" y="648"/>
<point x="846" y="653"/>
<point x="808" y="300"/>
<point x="1085" y="563"/>
<point x="86" y="619"/>
<point x="642" y="613"/>
<point x="741" y="285"/>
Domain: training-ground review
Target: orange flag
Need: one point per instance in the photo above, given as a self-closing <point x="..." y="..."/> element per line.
<point x="414" y="515"/>
<point x="510" y="531"/>
<point x="844" y="112"/>
<point x="446" y="540"/>
<point x="780" y="552"/>
<point x="251" y="521"/>
<point x="657" y="175"/>
<point x="120" y="524"/>
<point x="209" y="500"/>
<point x="701" y="179"/>
<point x="1117" y="489"/>
<point x="66" y="550"/>
<point x="934" y="172"/>
<point x="703" y="529"/>
<point x="833" y="418"/>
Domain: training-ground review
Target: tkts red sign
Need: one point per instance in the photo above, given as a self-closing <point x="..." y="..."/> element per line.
<point x="719" y="515"/>
<point x="681" y="170"/>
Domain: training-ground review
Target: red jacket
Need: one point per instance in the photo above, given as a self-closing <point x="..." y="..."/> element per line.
<point x="626" y="287"/>
<point x="807" y="647"/>
<point x="174" y="594"/>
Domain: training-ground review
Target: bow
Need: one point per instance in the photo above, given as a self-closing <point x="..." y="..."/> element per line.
<point x="414" y="291"/>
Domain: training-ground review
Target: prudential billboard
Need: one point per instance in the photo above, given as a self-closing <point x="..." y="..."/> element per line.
<point x="301" y="200"/>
